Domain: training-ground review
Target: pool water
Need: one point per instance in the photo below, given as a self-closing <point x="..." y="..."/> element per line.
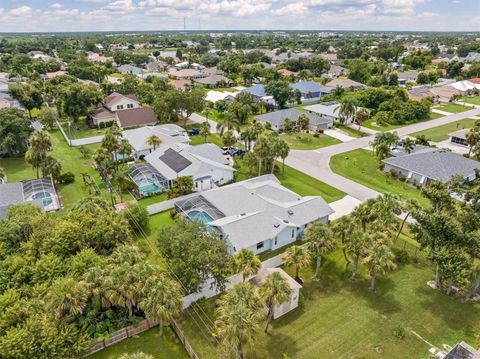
<point x="44" y="197"/>
<point x="199" y="216"/>
<point x="148" y="187"/>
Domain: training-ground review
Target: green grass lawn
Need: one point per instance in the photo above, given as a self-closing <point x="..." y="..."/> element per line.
<point x="212" y="138"/>
<point x="81" y="130"/>
<point x="362" y="166"/>
<point x="296" y="181"/>
<point x="145" y="202"/>
<point x="341" y="319"/>
<point x="166" y="347"/>
<point x="351" y="131"/>
<point x="306" y="141"/>
<point x="475" y="100"/>
<point x="441" y="133"/>
<point x="72" y="161"/>
<point x="373" y="126"/>
<point x="453" y="108"/>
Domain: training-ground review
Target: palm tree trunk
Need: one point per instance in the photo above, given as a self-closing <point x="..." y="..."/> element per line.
<point x="297" y="270"/>
<point x="344" y="251"/>
<point x="269" y="319"/>
<point x="438" y="277"/>
<point x="239" y="353"/>
<point x="373" y="282"/>
<point x="283" y="165"/>
<point x="401" y="228"/>
<point x="355" y="268"/>
<point x="273" y="166"/>
<point x="130" y="310"/>
<point x="476" y="285"/>
<point x="38" y="175"/>
<point x="160" y="327"/>
<point x="317" y="269"/>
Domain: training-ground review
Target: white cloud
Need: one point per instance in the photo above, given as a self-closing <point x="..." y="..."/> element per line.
<point x="56" y="6"/>
<point x="294" y="9"/>
<point x="21" y="11"/>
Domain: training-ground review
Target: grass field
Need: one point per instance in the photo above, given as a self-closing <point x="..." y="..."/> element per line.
<point x="341" y="319"/>
<point x="212" y="138"/>
<point x="81" y="130"/>
<point x="351" y="131"/>
<point x="441" y="133"/>
<point x="306" y="141"/>
<point x="362" y="166"/>
<point x="453" y="108"/>
<point x="475" y="100"/>
<point x="370" y="123"/>
<point x="296" y="181"/>
<point x="168" y="347"/>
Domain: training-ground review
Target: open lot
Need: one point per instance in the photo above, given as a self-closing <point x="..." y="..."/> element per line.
<point x="441" y="133"/>
<point x="373" y="126"/>
<point x="341" y="319"/>
<point x="475" y="100"/>
<point x="362" y="166"/>
<point x="306" y="141"/>
<point x="81" y="130"/>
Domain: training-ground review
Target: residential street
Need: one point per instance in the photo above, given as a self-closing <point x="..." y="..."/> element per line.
<point x="316" y="163"/>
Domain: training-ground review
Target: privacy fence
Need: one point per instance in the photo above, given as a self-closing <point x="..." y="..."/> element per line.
<point x="80" y="141"/>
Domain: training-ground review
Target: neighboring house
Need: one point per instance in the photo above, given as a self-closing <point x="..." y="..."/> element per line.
<point x="7" y="101"/>
<point x="426" y="164"/>
<point x="327" y="110"/>
<point x="346" y="84"/>
<point x="289" y="305"/>
<point x="156" y="66"/>
<point x="276" y="119"/>
<point x="258" y="214"/>
<point x="125" y="110"/>
<point x="182" y="74"/>
<point x="214" y="81"/>
<point x="460" y="137"/>
<point x="419" y="93"/>
<point x="181" y="84"/>
<point x="444" y="93"/>
<point x="191" y="65"/>
<point x="167" y="133"/>
<point x="288" y="73"/>
<point x="330" y="57"/>
<point x="407" y="76"/>
<point x="311" y="89"/>
<point x="205" y="164"/>
<point x="460" y="351"/>
<point x="129" y="70"/>
<point x="215" y="96"/>
<point x="39" y="192"/>
<point x="258" y="93"/>
<point x="336" y="71"/>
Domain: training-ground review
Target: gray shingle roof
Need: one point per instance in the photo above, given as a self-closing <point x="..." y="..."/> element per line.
<point x="10" y="194"/>
<point x="257" y="90"/>
<point x="310" y="86"/>
<point x="278" y="117"/>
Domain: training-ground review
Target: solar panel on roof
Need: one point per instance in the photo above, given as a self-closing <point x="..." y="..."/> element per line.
<point x="174" y="160"/>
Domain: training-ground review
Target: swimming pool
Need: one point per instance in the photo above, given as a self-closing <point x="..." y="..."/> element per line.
<point x="199" y="216"/>
<point x="44" y="197"/>
<point x="148" y="187"/>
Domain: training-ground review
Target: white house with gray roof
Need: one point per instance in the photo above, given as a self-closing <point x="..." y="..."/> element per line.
<point x="276" y="119"/>
<point x="426" y="164"/>
<point x="205" y="164"/>
<point x="258" y="214"/>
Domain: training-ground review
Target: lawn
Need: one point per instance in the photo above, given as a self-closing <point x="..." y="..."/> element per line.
<point x="306" y="141"/>
<point x="342" y="319"/>
<point x="168" y="347"/>
<point x="453" y="108"/>
<point x="72" y="161"/>
<point x="296" y="181"/>
<point x="475" y="100"/>
<point x="353" y="132"/>
<point x="441" y="133"/>
<point x="373" y="126"/>
<point x="212" y="138"/>
<point x="81" y="130"/>
<point x="362" y="166"/>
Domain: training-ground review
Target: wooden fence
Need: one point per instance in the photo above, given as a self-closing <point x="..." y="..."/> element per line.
<point x="184" y="340"/>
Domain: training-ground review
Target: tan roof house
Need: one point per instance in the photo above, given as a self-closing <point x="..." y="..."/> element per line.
<point x="346" y="83"/>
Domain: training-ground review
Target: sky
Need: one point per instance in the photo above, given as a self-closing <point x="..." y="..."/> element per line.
<point x="133" y="15"/>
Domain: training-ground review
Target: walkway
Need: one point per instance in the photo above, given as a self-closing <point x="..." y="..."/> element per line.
<point x="339" y="135"/>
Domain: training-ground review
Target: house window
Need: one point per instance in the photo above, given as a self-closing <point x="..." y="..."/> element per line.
<point x="293" y="233"/>
<point x="260" y="245"/>
<point x="119" y="107"/>
<point x="129" y="105"/>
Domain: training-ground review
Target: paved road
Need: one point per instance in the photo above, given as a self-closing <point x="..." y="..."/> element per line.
<point x="316" y="163"/>
<point x="195" y="117"/>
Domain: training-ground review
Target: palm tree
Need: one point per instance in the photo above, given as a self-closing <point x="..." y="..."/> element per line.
<point x="163" y="299"/>
<point x="154" y="141"/>
<point x="51" y="168"/>
<point x="125" y="148"/>
<point x="343" y="228"/>
<point x="229" y="123"/>
<point x="67" y="297"/>
<point x="364" y="213"/>
<point x="320" y="241"/>
<point x="361" y="116"/>
<point x="408" y="206"/>
<point x="246" y="262"/>
<point x="379" y="261"/>
<point x="274" y="291"/>
<point x="39" y="144"/>
<point x="356" y="245"/>
<point x="239" y="314"/>
<point x="123" y="181"/>
<point x="283" y="150"/>
<point x="472" y="137"/>
<point x="347" y="108"/>
<point x="205" y="130"/>
<point x="250" y="160"/>
<point x="297" y="257"/>
<point x="3" y="175"/>
<point x="408" y="144"/>
<point x="262" y="151"/>
<point x="422" y="140"/>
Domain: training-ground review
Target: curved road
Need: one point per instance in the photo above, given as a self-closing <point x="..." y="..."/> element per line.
<point x="316" y="163"/>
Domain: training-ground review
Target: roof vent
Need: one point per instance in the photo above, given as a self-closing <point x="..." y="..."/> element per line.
<point x="290" y="212"/>
<point x="276" y="225"/>
<point x="285" y="221"/>
<point x="242" y="214"/>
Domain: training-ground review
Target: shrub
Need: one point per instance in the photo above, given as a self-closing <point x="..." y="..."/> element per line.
<point x="392" y="173"/>
<point x="321" y="130"/>
<point x="67" y="177"/>
<point x="137" y="217"/>
<point x="399" y="332"/>
<point x="402" y="177"/>
<point x="173" y="214"/>
<point x="401" y="256"/>
<point x="381" y="166"/>
<point x="316" y="135"/>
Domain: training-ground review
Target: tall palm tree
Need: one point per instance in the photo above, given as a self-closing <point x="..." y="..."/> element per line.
<point x="125" y="148"/>
<point x="408" y="206"/>
<point x="361" y="116"/>
<point x="246" y="262"/>
<point x="262" y="150"/>
<point x="274" y="291"/>
<point x="162" y="299"/>
<point x="39" y="144"/>
<point x="347" y="108"/>
<point x="283" y="149"/>
<point x="408" y="144"/>
<point x="472" y="137"/>
<point x="205" y="130"/>
<point x="379" y="261"/>
<point x="364" y="213"/>
<point x="123" y="290"/>
<point x="51" y="168"/>
<point x="154" y="141"/>
<point x="67" y="297"/>
<point x="343" y="228"/>
<point x="297" y="257"/>
<point x="320" y="241"/>
<point x="239" y="314"/>
<point x="229" y="123"/>
<point x="123" y="181"/>
<point x="356" y="245"/>
<point x="3" y="175"/>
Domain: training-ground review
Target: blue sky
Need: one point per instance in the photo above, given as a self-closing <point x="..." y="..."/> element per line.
<point x="105" y="15"/>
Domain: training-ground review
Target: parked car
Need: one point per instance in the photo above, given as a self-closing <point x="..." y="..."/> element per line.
<point x="233" y="151"/>
<point x="193" y="131"/>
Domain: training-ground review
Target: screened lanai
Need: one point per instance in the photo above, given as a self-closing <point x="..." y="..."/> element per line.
<point x="147" y="179"/>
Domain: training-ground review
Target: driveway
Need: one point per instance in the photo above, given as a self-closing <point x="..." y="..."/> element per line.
<point x="195" y="117"/>
<point x="339" y="135"/>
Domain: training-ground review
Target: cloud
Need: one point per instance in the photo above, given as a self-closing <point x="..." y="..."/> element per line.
<point x="56" y="6"/>
<point x="21" y="11"/>
<point x="294" y="9"/>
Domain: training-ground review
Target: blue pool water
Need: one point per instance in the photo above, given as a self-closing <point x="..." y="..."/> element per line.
<point x="148" y="187"/>
<point x="199" y="216"/>
<point x="44" y="197"/>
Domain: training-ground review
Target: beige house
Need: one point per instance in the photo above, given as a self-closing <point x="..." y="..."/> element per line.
<point x="294" y="286"/>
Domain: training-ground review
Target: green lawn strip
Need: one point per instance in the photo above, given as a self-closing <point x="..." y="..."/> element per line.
<point x="343" y="319"/>
<point x="453" y="108"/>
<point x="296" y="181"/>
<point x="352" y="132"/>
<point x="362" y="166"/>
<point x="475" y="100"/>
<point x="81" y="130"/>
<point x="306" y="141"/>
<point x="149" y="342"/>
<point x="441" y="133"/>
<point x="370" y="123"/>
<point x="145" y="202"/>
<point x="212" y="138"/>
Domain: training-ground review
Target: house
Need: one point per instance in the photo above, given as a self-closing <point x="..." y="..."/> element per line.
<point x="288" y="73"/>
<point x="167" y="133"/>
<point x="444" y="93"/>
<point x="7" y="101"/>
<point x="94" y="57"/>
<point x="289" y="305"/>
<point x="336" y="71"/>
<point x="460" y="137"/>
<point x="346" y="84"/>
<point x="330" y="57"/>
<point x="125" y="110"/>
<point x="182" y="74"/>
<point x="460" y="351"/>
<point x="276" y="119"/>
<point x="426" y="164"/>
<point x="214" y="80"/>
<point x="258" y="214"/>
<point x="129" y="70"/>
<point x="311" y="89"/>
<point x="215" y="96"/>
<point x="205" y="164"/>
<point x="156" y="66"/>
<point x="327" y="110"/>
<point x="191" y="65"/>
<point x="39" y="192"/>
<point x="421" y="92"/>
<point x="258" y="93"/>
<point x="407" y="76"/>
<point x="181" y="84"/>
